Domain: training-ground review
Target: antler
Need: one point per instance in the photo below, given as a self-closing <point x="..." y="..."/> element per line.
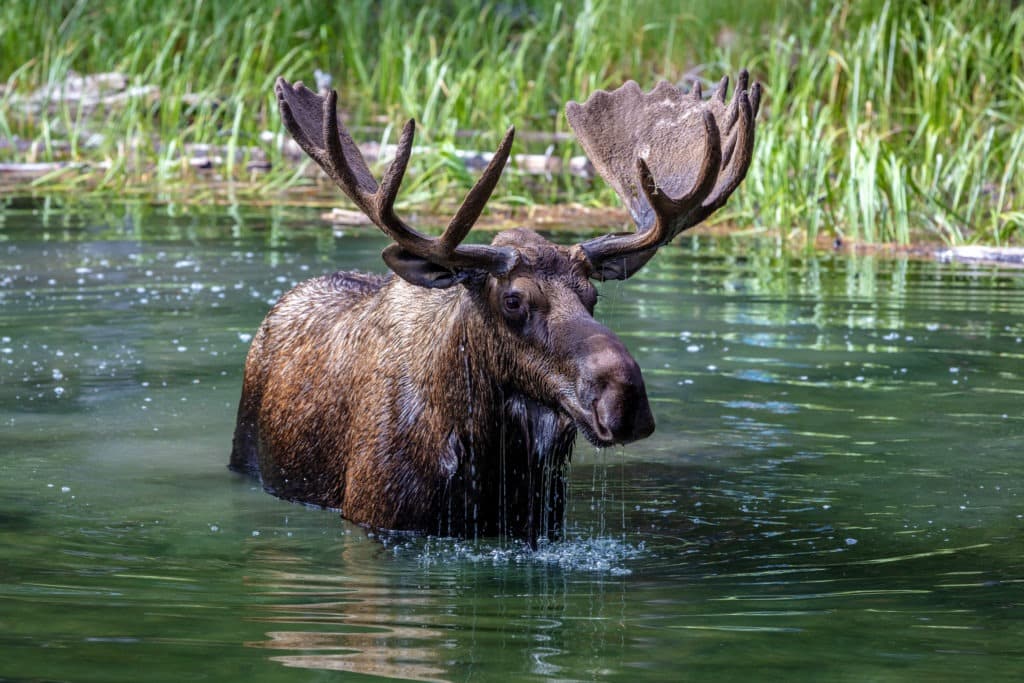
<point x="433" y="262"/>
<point x="673" y="158"/>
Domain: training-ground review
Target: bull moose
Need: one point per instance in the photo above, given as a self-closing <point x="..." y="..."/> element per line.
<point x="446" y="400"/>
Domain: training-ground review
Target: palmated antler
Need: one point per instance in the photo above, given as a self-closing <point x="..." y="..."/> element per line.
<point x="673" y="158"/>
<point x="432" y="262"/>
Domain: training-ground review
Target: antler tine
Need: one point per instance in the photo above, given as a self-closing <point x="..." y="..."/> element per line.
<point x="742" y="81"/>
<point x="313" y="122"/>
<point x="755" y="99"/>
<point x="343" y="174"/>
<point x="477" y="197"/>
<point x="393" y="176"/>
<point x="734" y="112"/>
<point x="741" y="151"/>
<point x="723" y="89"/>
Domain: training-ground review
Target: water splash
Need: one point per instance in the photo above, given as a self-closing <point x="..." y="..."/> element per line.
<point x="587" y="554"/>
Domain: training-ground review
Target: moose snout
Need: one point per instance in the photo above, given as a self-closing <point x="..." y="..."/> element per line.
<point x="616" y="396"/>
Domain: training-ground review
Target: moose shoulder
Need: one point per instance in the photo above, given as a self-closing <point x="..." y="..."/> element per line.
<point x="447" y="399"/>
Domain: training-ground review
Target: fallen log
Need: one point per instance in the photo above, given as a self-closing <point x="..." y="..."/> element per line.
<point x="1013" y="256"/>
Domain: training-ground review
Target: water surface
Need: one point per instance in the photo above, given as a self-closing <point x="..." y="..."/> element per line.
<point x="833" y="491"/>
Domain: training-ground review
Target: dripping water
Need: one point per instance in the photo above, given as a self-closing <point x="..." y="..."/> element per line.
<point x="473" y="481"/>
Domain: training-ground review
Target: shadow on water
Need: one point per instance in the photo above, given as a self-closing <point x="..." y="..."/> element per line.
<point x="833" y="490"/>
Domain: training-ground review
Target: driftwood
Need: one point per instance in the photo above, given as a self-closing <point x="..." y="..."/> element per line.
<point x="83" y="94"/>
<point x="209" y="157"/>
<point x="1012" y="256"/>
<point x="103" y="91"/>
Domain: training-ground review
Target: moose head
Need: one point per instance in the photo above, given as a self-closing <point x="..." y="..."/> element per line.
<point x="447" y="399"/>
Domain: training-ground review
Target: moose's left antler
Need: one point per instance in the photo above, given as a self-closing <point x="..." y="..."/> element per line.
<point x="673" y="158"/>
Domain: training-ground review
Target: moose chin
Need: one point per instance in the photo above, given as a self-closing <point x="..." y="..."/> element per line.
<point x="445" y="397"/>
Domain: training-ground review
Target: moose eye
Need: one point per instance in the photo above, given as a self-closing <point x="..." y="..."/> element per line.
<point x="513" y="303"/>
<point x="515" y="308"/>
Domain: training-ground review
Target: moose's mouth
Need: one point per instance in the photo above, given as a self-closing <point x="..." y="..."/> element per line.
<point x="605" y="430"/>
<point x="593" y="437"/>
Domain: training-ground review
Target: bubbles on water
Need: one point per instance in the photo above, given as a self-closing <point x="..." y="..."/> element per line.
<point x="777" y="407"/>
<point x="602" y="554"/>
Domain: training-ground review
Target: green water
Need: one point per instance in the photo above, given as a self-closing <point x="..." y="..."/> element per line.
<point x="833" y="492"/>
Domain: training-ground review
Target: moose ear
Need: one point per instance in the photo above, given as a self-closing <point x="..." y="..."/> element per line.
<point x="419" y="271"/>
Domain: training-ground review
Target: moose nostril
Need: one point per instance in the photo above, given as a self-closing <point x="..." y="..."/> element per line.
<point x="602" y="428"/>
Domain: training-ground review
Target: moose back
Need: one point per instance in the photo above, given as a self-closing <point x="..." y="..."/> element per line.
<point x="445" y="397"/>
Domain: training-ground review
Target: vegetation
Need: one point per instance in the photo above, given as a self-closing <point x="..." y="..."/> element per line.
<point x="883" y="121"/>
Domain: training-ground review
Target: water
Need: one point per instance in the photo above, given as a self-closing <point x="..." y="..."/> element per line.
<point x="834" y="490"/>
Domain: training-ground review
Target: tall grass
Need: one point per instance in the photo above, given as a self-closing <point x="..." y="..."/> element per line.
<point x="883" y="121"/>
<point x="894" y="119"/>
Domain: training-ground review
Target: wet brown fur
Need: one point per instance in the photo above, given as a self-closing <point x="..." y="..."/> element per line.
<point x="415" y="408"/>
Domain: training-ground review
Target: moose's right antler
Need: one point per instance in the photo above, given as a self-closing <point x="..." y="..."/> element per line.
<point x="673" y="158"/>
<point x="432" y="262"/>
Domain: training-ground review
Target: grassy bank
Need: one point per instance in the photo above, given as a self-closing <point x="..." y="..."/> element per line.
<point x="883" y="121"/>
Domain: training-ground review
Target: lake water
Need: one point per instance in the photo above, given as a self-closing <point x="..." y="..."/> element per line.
<point x="835" y="490"/>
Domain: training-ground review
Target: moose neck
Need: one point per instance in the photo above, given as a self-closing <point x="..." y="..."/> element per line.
<point x="504" y="466"/>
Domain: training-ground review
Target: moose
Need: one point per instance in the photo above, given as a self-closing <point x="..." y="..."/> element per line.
<point x="445" y="397"/>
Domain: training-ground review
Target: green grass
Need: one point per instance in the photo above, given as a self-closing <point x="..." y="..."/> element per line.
<point x="883" y="121"/>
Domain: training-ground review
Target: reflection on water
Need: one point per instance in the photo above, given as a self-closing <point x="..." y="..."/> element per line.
<point x="352" y="624"/>
<point x="833" y="489"/>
